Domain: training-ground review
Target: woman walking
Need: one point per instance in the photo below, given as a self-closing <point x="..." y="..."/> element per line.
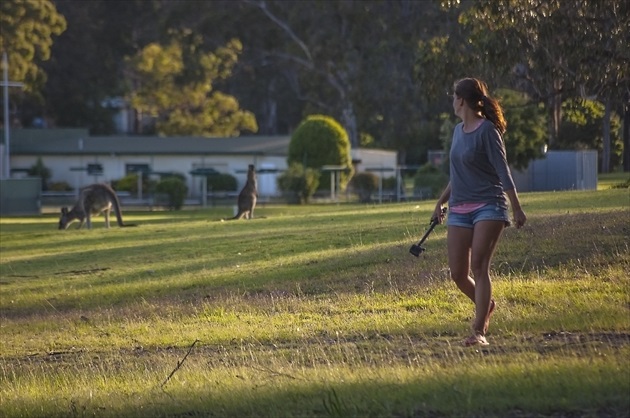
<point x="480" y="179"/>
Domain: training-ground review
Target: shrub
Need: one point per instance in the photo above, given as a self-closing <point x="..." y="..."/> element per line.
<point x="129" y="183"/>
<point x="622" y="185"/>
<point x="40" y="170"/>
<point x="222" y="181"/>
<point x="389" y="183"/>
<point x="174" y="190"/>
<point x="318" y="141"/>
<point x="298" y="184"/>
<point x="429" y="181"/>
<point x="60" y="186"/>
<point x="364" y="184"/>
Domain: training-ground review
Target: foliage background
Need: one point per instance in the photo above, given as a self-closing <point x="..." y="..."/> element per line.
<point x="380" y="68"/>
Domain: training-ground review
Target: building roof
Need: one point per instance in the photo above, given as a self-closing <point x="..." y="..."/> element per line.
<point x="79" y="142"/>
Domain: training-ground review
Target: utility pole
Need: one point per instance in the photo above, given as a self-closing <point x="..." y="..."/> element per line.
<point x="6" y="162"/>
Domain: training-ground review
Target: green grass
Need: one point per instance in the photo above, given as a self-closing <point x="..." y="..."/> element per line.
<point x="616" y="179"/>
<point x="314" y="311"/>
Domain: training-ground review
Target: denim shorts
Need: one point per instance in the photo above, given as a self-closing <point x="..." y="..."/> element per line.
<point x="489" y="212"/>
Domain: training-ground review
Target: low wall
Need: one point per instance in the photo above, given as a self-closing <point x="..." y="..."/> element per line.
<point x="20" y="196"/>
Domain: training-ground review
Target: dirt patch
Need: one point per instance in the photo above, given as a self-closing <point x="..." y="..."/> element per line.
<point x="369" y="349"/>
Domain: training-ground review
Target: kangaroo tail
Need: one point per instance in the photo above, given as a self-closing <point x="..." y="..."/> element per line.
<point x="118" y="210"/>
<point x="235" y="217"/>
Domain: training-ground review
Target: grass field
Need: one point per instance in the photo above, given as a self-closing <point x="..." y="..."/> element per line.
<point x="616" y="179"/>
<point x="314" y="311"/>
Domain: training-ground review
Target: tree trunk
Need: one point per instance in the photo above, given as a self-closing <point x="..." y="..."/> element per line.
<point x="269" y="125"/>
<point x="349" y="122"/>
<point x="555" y="109"/>
<point x="626" y="133"/>
<point x="606" y="138"/>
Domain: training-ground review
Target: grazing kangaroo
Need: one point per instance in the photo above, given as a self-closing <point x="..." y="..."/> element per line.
<point x="247" y="197"/>
<point x="93" y="199"/>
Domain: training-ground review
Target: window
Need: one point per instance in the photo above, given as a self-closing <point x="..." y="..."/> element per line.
<point x="137" y="168"/>
<point x="95" y="169"/>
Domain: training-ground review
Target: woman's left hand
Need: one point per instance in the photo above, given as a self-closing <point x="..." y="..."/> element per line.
<point x="519" y="217"/>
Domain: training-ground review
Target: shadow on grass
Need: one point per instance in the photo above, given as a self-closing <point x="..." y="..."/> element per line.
<point x="187" y="266"/>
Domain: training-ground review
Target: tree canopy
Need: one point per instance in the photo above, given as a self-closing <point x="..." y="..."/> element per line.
<point x="380" y="68"/>
<point x="27" y="29"/>
<point x="174" y="85"/>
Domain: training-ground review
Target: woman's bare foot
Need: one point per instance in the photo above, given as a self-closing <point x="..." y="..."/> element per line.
<point x="475" y="339"/>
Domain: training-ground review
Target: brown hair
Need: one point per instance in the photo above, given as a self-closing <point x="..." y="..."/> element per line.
<point x="475" y="94"/>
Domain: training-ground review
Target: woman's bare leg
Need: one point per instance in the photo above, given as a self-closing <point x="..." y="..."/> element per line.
<point x="459" y="243"/>
<point x="484" y="241"/>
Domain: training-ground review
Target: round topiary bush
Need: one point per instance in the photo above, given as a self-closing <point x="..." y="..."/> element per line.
<point x="318" y="141"/>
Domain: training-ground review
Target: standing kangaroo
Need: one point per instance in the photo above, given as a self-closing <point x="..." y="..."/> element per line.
<point x="93" y="199"/>
<point x="247" y="197"/>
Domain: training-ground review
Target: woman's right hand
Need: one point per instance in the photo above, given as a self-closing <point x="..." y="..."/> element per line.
<point x="438" y="214"/>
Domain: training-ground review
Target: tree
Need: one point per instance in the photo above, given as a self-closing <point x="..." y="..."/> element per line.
<point x="173" y="84"/>
<point x="402" y="111"/>
<point x="87" y="61"/>
<point x="261" y="83"/>
<point x="581" y="129"/>
<point x="626" y="130"/>
<point x="523" y="37"/>
<point x="318" y="141"/>
<point x="321" y="51"/>
<point x="526" y="136"/>
<point x="353" y="60"/>
<point x="27" y="29"/>
<point x="26" y="35"/>
<point x="603" y="73"/>
<point x="557" y="49"/>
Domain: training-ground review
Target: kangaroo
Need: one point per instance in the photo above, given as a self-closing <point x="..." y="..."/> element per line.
<point x="247" y="197"/>
<point x="93" y="199"/>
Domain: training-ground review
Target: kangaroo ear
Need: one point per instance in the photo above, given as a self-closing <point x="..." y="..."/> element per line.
<point x="64" y="210"/>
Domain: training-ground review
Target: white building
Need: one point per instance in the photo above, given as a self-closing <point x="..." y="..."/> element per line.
<point x="79" y="159"/>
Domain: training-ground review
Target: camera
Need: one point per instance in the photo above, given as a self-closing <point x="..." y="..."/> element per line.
<point x="416" y="250"/>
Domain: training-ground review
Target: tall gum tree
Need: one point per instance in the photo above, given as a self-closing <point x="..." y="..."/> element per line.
<point x="174" y="85"/>
<point x="314" y="52"/>
<point x="355" y="60"/>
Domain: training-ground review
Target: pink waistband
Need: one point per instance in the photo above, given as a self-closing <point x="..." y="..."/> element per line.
<point x="466" y="207"/>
